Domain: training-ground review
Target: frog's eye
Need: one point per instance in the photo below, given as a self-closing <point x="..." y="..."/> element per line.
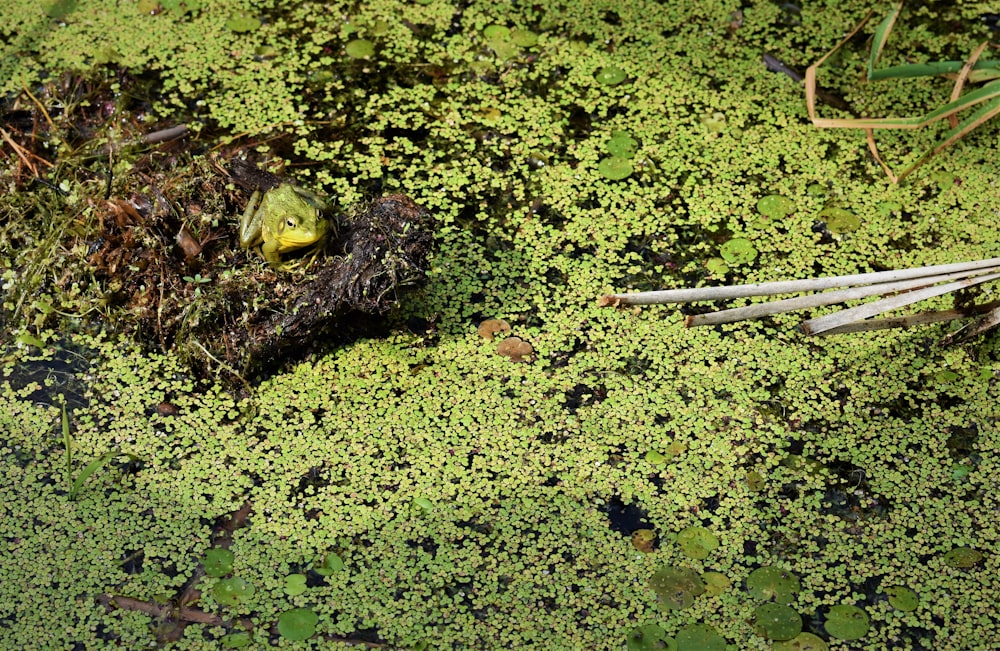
<point x="290" y="223"/>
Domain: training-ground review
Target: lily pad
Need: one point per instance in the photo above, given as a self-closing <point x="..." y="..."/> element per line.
<point x="775" y="206"/>
<point x="716" y="583"/>
<point x="218" y="562"/>
<point x="331" y="563"/>
<point x="755" y="481"/>
<point x="650" y="637"/>
<point x="656" y="458"/>
<point x="777" y="621"/>
<point x="239" y="640"/>
<point x="801" y="642"/>
<point x="676" y="587"/>
<point x="240" y="23"/>
<point x="700" y="637"/>
<point x="644" y="540"/>
<point x="295" y="584"/>
<point x="962" y="557"/>
<point x="846" y="622"/>
<point x="297" y="624"/>
<point x="697" y="542"/>
<point x="738" y="251"/>
<point x="839" y="220"/>
<point x="902" y="598"/>
<point x="622" y="144"/>
<point x="360" y="48"/>
<point x="610" y="76"/>
<point x="772" y="582"/>
<point x="233" y="591"/>
<point x="615" y="168"/>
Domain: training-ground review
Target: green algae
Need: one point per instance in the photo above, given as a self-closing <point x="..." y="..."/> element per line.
<point x="522" y="441"/>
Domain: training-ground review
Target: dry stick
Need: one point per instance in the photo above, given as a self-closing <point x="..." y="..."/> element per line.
<point x="924" y="318"/>
<point x="861" y="312"/>
<point x="790" y="286"/>
<point x="817" y="300"/>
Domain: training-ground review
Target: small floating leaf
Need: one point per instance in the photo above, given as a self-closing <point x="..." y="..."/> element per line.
<point x="622" y="144"/>
<point x="239" y="640"/>
<point x="218" y="562"/>
<point x="697" y="542"/>
<point x="423" y="505"/>
<point x="775" y="206"/>
<point x="801" y="642"/>
<point x="902" y="598"/>
<point x="676" y="587"/>
<point x="297" y="624"/>
<point x="242" y="23"/>
<point x="771" y="582"/>
<point x="523" y="37"/>
<point x="295" y="584"/>
<point x="755" y="481"/>
<point x="331" y="563"/>
<point x="650" y="637"/>
<point x="962" y="557"/>
<point x="644" y="540"/>
<point x="610" y="76"/>
<point x="615" y="168"/>
<point x="700" y="637"/>
<point x="847" y="622"/>
<point x="233" y="591"/>
<point x="655" y="458"/>
<point x="360" y="48"/>
<point x="839" y="220"/>
<point x="777" y="621"/>
<point x="738" y="251"/>
<point x="716" y="583"/>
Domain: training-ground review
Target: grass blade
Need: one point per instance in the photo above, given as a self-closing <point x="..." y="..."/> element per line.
<point x="93" y="467"/>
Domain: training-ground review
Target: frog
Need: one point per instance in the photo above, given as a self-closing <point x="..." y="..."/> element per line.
<point x="285" y="218"/>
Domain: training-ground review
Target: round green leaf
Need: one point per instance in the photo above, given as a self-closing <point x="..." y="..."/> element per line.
<point x="615" y="168"/>
<point x="738" y="251"/>
<point x="716" y="583"/>
<point x="610" y="76"/>
<point x="360" y="48"/>
<point x="772" y="583"/>
<point x="676" y="587"/>
<point x="523" y="37"/>
<point x="239" y="640"/>
<point x="775" y="206"/>
<point x="233" y="591"/>
<point x="801" y="642"/>
<point x="295" y="584"/>
<point x="622" y="144"/>
<point x="962" y="557"/>
<point x="650" y="637"/>
<point x="697" y="542"/>
<point x="839" y="220"/>
<point x="847" y="622"/>
<point x="297" y="624"/>
<point x="700" y="637"/>
<point x="777" y="621"/>
<point x="331" y="563"/>
<point x="242" y="23"/>
<point x="218" y="562"/>
<point x="902" y="598"/>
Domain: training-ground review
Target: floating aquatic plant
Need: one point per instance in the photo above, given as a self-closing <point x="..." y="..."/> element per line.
<point x="676" y="587"/>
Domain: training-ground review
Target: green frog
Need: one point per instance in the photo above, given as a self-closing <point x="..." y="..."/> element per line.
<point x="286" y="218"/>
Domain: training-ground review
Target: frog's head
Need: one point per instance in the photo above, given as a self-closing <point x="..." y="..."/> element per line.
<point x="297" y="216"/>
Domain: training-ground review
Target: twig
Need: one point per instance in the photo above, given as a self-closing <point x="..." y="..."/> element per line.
<point x="826" y="298"/>
<point x="861" y="312"/>
<point x="790" y="286"/>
